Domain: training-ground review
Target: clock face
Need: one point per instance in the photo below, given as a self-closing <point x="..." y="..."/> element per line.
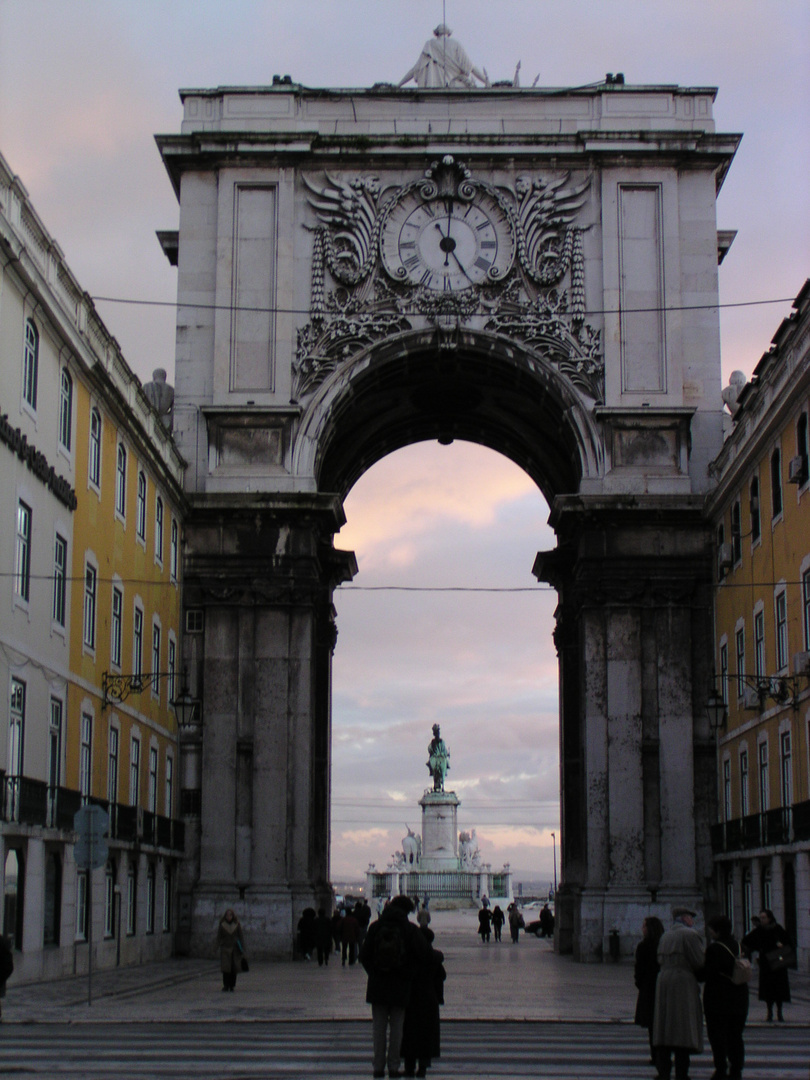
<point x="448" y="244"/>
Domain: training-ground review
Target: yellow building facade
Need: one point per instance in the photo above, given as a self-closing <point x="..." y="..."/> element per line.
<point x="89" y="621"/>
<point x="761" y="515"/>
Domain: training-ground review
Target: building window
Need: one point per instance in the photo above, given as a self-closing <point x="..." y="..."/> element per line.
<point x="137" y="644"/>
<point x="16" y="732"/>
<point x="728" y="893"/>
<point x="169" y="785"/>
<point x="739" y="642"/>
<point x="759" y="644"/>
<point x="159" y="529"/>
<point x="780" y="605"/>
<point x="22" y="561"/>
<point x="86" y="756"/>
<point x="94" y="455"/>
<point x="801" y="447"/>
<point x="195" y="621"/>
<point x="764" y="802"/>
<point x="112" y="767"/>
<point x="52" y="897"/>
<point x="30" y="363"/>
<point x="765" y="882"/>
<point x="727" y="789"/>
<point x="150" y="899"/>
<point x="65" y="408"/>
<point x="121" y="481"/>
<point x="786" y="769"/>
<point x="724" y="672"/>
<point x="776" y="482"/>
<point x="153" y="779"/>
<point x="140" y="511"/>
<point x="55" y="745"/>
<point x="172" y="670"/>
<point x="115" y="626"/>
<point x="721" y="540"/>
<point x="744" y="783"/>
<point x="736" y="532"/>
<point x="132" y="900"/>
<point x="59" y="579"/>
<point x="156" y="656"/>
<point x="806" y="608"/>
<point x="82" y="884"/>
<point x="173" y="551"/>
<point x="167" y="900"/>
<point x="90" y="606"/>
<point x="134" y="771"/>
<point x="747" y="898"/>
<point x="756" y="525"/>
<point x="109" y="900"/>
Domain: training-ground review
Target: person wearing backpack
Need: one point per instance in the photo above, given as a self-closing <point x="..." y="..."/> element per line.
<point x="6" y="966"/>
<point x="725" y="999"/>
<point x="394" y="949"/>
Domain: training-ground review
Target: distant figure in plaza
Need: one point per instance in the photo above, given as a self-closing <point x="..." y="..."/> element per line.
<point x="646" y="975"/>
<point x="484" y="923"/>
<point x="337" y="927"/>
<point x="443" y="62"/>
<point x="775" y="950"/>
<point x="725" y="1003"/>
<point x="231" y="945"/>
<point x="485" y="901"/>
<point x="516" y="923"/>
<point x="421" y="1033"/>
<point x="350" y="936"/>
<point x="547" y="922"/>
<point x="305" y="936"/>
<point x="393" y="951"/>
<point x="498" y="919"/>
<point x="6" y="966"/>
<point x="362" y="912"/>
<point x="678" y="1022"/>
<point x="438" y="759"/>
<point x="323" y="937"/>
<point x="423" y="917"/>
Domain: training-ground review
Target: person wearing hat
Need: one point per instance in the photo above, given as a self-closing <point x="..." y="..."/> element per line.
<point x="678" y="1021"/>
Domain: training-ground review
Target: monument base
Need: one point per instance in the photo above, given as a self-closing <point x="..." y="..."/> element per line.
<point x="439" y="830"/>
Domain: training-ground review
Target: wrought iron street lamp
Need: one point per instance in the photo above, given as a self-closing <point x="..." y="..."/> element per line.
<point x="716" y="711"/>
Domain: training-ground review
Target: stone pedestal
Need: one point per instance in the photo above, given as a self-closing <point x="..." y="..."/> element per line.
<point x="439" y="830"/>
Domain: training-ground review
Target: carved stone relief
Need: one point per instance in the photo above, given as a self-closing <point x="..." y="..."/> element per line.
<point x="447" y="246"/>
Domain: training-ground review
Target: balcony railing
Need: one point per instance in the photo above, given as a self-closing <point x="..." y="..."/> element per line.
<point x="25" y="801"/>
<point x="784" y="825"/>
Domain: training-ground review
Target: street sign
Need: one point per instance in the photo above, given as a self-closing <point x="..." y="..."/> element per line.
<point x="91" y="848"/>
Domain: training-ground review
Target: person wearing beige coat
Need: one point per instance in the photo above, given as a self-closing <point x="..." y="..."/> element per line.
<point x="678" y="1020"/>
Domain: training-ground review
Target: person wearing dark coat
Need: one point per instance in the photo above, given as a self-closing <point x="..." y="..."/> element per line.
<point x="231" y="945"/>
<point x="646" y="975"/>
<point x="388" y="990"/>
<point x="484" y="920"/>
<point x="547" y="922"/>
<point x="725" y="1003"/>
<point x="498" y="919"/>
<point x="6" y="965"/>
<point x="767" y="935"/>
<point x="306" y="933"/>
<point x="323" y="937"/>
<point x="350" y="934"/>
<point x="516" y="923"/>
<point x="421" y="1040"/>
<point x="337" y="928"/>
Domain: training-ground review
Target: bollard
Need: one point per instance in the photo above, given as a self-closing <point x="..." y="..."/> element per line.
<point x="614" y="945"/>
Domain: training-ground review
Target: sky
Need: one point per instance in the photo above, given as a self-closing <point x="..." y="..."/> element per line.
<point x="84" y="87"/>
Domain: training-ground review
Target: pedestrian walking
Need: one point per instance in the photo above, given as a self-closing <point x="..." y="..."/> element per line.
<point x="6" y="967"/>
<point x="323" y="937"/>
<point x="305" y="936"/>
<point x="646" y="975"/>
<point x="421" y="1032"/>
<point x="678" y="1022"/>
<point x="516" y="923"/>
<point x="547" y="922"/>
<point x="725" y="1001"/>
<point x="350" y="934"/>
<point x="231" y="945"/>
<point x="393" y="950"/>
<point x="337" y="927"/>
<point x="498" y="919"/>
<point x="776" y="953"/>
<point x="423" y="917"/>
<point x="484" y="922"/>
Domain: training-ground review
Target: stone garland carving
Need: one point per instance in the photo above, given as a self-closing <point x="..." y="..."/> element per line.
<point x="368" y="305"/>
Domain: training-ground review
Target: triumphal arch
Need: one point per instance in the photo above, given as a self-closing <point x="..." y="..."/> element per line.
<point x="530" y="269"/>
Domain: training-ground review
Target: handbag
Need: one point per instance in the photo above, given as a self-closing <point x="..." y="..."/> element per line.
<point x="742" y="971"/>
<point x="781" y="958"/>
<point x="245" y="965"/>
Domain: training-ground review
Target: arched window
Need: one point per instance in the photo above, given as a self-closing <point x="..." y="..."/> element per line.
<point x="756" y="528"/>
<point x="109" y="899"/>
<point x="776" y="482"/>
<point x="159" y="529"/>
<point x="140" y="513"/>
<point x="30" y="363"/>
<point x="52" y="915"/>
<point x="150" y="898"/>
<point x="121" y="481"/>
<point x="801" y="447"/>
<point x="65" y="408"/>
<point x="94" y="456"/>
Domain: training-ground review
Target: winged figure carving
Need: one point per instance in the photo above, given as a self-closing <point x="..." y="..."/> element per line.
<point x="546" y="211"/>
<point x="347" y="210"/>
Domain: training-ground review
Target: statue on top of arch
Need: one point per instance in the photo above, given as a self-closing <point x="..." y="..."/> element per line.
<point x="444" y="63"/>
<point x="438" y="759"/>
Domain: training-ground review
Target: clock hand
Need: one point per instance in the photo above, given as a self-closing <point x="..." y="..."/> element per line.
<point x="461" y="268"/>
<point x="447" y="243"/>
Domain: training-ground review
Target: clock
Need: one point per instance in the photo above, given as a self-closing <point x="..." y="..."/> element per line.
<point x="447" y="244"/>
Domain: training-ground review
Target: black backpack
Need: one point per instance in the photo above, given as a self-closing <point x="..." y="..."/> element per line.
<point x="389" y="951"/>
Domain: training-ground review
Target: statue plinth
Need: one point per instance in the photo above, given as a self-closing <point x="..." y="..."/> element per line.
<point x="439" y="830"/>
